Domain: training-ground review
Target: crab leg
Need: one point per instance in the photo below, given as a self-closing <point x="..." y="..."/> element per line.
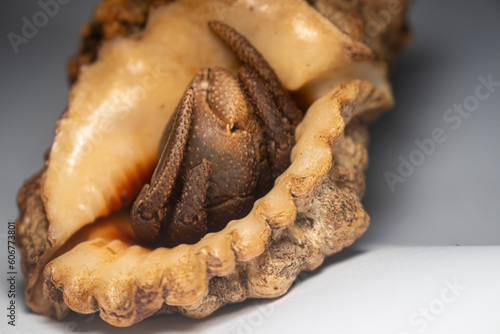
<point x="150" y="208"/>
<point x="190" y="218"/>
<point x="277" y="130"/>
<point x="250" y="56"/>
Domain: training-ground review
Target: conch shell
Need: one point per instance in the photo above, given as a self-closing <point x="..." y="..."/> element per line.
<point x="77" y="254"/>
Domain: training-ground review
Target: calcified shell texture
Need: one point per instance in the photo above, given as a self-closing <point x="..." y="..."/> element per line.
<point x="79" y="253"/>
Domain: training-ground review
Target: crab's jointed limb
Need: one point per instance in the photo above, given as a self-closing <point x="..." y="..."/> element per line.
<point x="150" y="208"/>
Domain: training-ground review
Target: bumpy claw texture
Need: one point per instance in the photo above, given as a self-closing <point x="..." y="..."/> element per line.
<point x="252" y="57"/>
<point x="150" y="208"/>
<point x="77" y="256"/>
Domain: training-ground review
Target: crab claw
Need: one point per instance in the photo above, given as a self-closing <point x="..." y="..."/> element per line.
<point x="150" y="207"/>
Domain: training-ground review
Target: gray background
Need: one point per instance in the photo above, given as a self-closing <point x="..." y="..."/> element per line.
<point x="452" y="198"/>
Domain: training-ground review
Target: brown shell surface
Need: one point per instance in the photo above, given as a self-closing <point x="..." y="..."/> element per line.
<point x="314" y="210"/>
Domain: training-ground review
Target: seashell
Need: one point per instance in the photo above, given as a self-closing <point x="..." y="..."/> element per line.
<point x="78" y="251"/>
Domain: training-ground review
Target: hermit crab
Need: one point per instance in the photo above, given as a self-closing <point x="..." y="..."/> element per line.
<point x="229" y="155"/>
<point x="263" y="106"/>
